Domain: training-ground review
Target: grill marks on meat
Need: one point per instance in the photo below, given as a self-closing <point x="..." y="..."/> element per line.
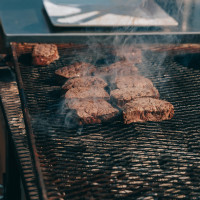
<point x="87" y="81"/>
<point x="77" y="69"/>
<point x="147" y="109"/>
<point x="132" y="81"/>
<point x="91" y="111"/>
<point x="125" y="95"/>
<point x="87" y="92"/>
<point x="44" y="54"/>
<point x="119" y="68"/>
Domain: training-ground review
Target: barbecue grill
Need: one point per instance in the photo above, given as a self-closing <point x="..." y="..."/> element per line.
<point x="152" y="160"/>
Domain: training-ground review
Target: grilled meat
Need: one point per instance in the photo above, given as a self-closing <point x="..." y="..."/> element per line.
<point x="130" y="54"/>
<point x="147" y="109"/>
<point x="44" y="54"/>
<point x="87" y="92"/>
<point x="132" y="81"/>
<point x="119" y="68"/>
<point x="87" y="81"/>
<point x="91" y="111"/>
<point x="122" y="96"/>
<point x="77" y="69"/>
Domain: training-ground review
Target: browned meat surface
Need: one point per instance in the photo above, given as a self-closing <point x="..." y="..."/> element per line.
<point x="119" y="68"/>
<point x="122" y="96"/>
<point x="87" y="92"/>
<point x="44" y="54"/>
<point x="132" y="81"/>
<point x="130" y="54"/>
<point x="92" y="111"/>
<point x="147" y="109"/>
<point x="77" y="69"/>
<point x="86" y="81"/>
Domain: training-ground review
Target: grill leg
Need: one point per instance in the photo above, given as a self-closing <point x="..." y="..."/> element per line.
<point x="12" y="182"/>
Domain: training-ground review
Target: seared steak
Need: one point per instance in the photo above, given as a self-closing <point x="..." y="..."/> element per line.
<point x="92" y="111"/>
<point x="87" y="92"/>
<point x="132" y="81"/>
<point x="119" y="68"/>
<point x="77" y="69"/>
<point x="147" y="109"/>
<point x="86" y="81"/>
<point x="44" y="54"/>
<point x="122" y="96"/>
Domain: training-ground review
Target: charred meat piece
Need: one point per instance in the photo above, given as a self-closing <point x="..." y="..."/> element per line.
<point x="125" y="95"/>
<point x="132" y="81"/>
<point x="87" y="92"/>
<point x="92" y="111"/>
<point x="86" y="81"/>
<point x="44" y="54"/>
<point x="130" y="54"/>
<point x="147" y="109"/>
<point x="77" y="69"/>
<point x="120" y="68"/>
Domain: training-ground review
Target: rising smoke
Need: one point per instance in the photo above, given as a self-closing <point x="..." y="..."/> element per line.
<point x="102" y="52"/>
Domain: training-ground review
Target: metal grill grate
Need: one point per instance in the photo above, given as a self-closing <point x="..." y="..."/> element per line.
<point x="11" y="103"/>
<point x="116" y="161"/>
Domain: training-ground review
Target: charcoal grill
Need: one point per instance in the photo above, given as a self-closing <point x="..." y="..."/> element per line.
<point x="153" y="160"/>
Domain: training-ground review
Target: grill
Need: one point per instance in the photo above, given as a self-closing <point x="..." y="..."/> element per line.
<point x="112" y="160"/>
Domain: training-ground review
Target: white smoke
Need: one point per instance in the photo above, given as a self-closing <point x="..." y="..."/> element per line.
<point x="102" y="52"/>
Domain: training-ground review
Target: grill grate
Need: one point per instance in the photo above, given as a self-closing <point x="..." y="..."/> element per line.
<point x="116" y="161"/>
<point x="11" y="102"/>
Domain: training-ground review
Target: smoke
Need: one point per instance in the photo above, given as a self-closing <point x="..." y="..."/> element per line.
<point x="124" y="45"/>
<point x="70" y="118"/>
<point x="79" y="131"/>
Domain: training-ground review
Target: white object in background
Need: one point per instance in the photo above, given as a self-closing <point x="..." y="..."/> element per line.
<point x="113" y="13"/>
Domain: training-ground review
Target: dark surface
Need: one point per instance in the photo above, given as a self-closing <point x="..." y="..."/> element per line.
<point x="26" y="21"/>
<point x="18" y="163"/>
<point x="158" y="160"/>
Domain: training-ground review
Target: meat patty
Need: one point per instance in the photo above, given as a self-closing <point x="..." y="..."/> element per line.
<point x="147" y="109"/>
<point x="86" y="81"/>
<point x="87" y="92"/>
<point x="132" y="81"/>
<point x="44" y="54"/>
<point x="125" y="95"/>
<point x="77" y="69"/>
<point x="119" y="68"/>
<point x="129" y="53"/>
<point x="92" y="111"/>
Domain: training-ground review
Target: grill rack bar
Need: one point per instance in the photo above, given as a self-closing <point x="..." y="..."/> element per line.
<point x="12" y="113"/>
<point x="30" y="135"/>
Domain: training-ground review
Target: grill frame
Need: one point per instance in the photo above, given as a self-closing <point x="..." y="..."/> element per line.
<point x="30" y="136"/>
<point x="184" y="49"/>
<point x="18" y="138"/>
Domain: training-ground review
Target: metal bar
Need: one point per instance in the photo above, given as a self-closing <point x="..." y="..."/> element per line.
<point x="139" y="37"/>
<point x="16" y="138"/>
<point x="30" y="135"/>
<point x="11" y="178"/>
<point x="13" y="190"/>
